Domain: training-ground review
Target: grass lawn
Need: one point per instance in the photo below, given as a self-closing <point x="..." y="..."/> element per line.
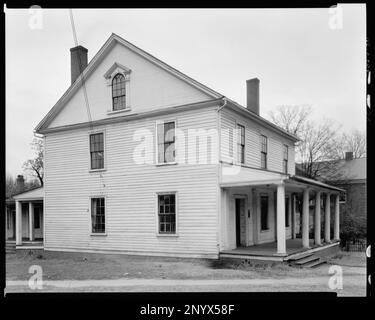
<point x="92" y="266"/>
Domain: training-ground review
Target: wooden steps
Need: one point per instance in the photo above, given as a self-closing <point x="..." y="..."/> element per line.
<point x="306" y="260"/>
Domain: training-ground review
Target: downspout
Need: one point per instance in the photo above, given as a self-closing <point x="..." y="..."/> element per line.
<point x="219" y="231"/>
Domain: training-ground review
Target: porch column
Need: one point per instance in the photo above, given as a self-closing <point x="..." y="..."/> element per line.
<point x="327" y="219"/>
<point x="281" y="245"/>
<point x="305" y="219"/>
<point x="294" y="203"/>
<point x="337" y="218"/>
<point x="317" y="222"/>
<point x="31" y="221"/>
<point x="18" y="223"/>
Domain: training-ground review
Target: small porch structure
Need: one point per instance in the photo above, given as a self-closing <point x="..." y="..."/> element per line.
<point x="258" y="215"/>
<point x="25" y="219"/>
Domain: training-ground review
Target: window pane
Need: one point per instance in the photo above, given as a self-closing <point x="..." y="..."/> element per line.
<point x="167" y="214"/>
<point x="97" y="150"/>
<point x="160" y="137"/>
<point x="98" y="215"/>
<point x="118" y="92"/>
<point x="169" y="131"/>
<point x="263" y="160"/>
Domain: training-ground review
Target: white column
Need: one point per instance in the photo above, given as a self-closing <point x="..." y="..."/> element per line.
<point x="18" y="223"/>
<point x="317" y="222"/>
<point x="327" y="219"/>
<point x="305" y="219"/>
<point x="281" y="245"/>
<point x="337" y="218"/>
<point x="31" y="221"/>
<point x="294" y="203"/>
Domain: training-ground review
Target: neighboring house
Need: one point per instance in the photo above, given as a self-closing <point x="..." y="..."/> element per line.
<point x="350" y="175"/>
<point x="142" y="159"/>
<point x="30" y="202"/>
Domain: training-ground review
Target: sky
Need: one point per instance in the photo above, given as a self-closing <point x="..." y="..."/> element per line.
<point x="313" y="57"/>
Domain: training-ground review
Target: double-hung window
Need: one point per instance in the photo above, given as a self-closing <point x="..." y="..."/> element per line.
<point x="166" y="135"/>
<point x="285" y="158"/>
<point x="97" y="151"/>
<point x="241" y="143"/>
<point x="167" y="213"/>
<point x="98" y="215"/>
<point x="263" y="153"/>
<point x="118" y="92"/>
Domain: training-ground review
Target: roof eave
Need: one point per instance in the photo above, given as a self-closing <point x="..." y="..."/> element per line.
<point x="263" y="121"/>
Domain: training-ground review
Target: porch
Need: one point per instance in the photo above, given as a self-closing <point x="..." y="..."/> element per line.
<point x="273" y="216"/>
<point x="25" y="220"/>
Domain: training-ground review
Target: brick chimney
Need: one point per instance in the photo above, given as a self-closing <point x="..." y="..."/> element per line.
<point x="78" y="61"/>
<point x="20" y="183"/>
<point x="252" y="94"/>
<point x="348" y="155"/>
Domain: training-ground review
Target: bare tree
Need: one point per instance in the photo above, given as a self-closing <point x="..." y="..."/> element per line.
<point x="317" y="146"/>
<point x="292" y="119"/>
<point x="35" y="166"/>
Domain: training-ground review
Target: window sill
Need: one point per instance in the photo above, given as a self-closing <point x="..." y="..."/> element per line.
<point x="167" y="235"/>
<point x="263" y="231"/>
<point x="166" y="164"/>
<point x="98" y="234"/>
<point x="110" y="112"/>
<point x="97" y="170"/>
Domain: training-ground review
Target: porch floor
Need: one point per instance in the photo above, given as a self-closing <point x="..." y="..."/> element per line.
<point x="270" y="249"/>
<point x="27" y="244"/>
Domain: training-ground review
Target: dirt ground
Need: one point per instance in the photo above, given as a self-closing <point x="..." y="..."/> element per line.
<point x="64" y="271"/>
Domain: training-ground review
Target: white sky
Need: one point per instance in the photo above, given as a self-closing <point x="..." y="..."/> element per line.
<point x="298" y="58"/>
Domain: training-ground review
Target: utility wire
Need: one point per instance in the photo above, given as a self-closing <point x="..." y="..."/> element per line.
<point x="81" y="70"/>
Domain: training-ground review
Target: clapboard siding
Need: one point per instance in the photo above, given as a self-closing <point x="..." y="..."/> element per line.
<point x="130" y="190"/>
<point x="229" y="119"/>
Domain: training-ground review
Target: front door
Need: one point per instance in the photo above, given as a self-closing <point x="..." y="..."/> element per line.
<point x="240" y="222"/>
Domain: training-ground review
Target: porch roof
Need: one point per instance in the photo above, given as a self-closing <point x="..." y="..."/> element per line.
<point x="35" y="194"/>
<point x="237" y="176"/>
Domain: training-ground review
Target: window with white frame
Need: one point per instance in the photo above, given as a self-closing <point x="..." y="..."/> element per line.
<point x="263" y="152"/>
<point x="241" y="143"/>
<point x="98" y="215"/>
<point x="97" y="151"/>
<point x="166" y="136"/>
<point x="285" y="158"/>
<point x="118" y="92"/>
<point x="167" y="213"/>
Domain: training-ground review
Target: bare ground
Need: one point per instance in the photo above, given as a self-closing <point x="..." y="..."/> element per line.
<point x="96" y="272"/>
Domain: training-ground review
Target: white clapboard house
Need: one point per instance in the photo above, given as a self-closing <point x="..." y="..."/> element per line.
<point x="142" y="159"/>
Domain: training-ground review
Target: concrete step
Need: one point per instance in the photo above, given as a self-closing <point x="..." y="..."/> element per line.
<point x="299" y="256"/>
<point x="314" y="264"/>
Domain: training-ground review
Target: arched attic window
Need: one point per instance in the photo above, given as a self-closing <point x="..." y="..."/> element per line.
<point x="118" y="92"/>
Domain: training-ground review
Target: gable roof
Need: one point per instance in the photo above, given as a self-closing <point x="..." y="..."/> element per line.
<point x="108" y="45"/>
<point x="32" y="194"/>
